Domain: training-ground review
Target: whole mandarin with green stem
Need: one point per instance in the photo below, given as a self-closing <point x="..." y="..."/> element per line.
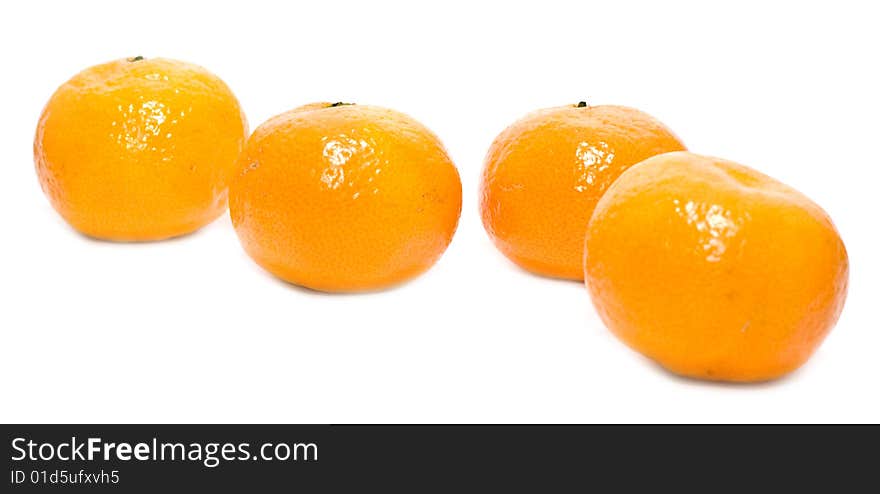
<point x="139" y="149"/>
<point x="544" y="174"/>
<point x="340" y="197"/>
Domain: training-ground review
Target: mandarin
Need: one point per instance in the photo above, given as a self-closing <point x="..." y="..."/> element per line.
<point x="713" y="269"/>
<point x="544" y="174"/>
<point x="139" y="149"/>
<point x="342" y="197"/>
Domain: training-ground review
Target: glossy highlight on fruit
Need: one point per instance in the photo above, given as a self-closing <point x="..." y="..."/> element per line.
<point x="713" y="269"/>
<point x="340" y="197"/>
<point x="139" y="149"/>
<point x="544" y="174"/>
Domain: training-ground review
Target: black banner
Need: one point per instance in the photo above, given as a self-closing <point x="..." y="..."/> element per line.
<point x="416" y="458"/>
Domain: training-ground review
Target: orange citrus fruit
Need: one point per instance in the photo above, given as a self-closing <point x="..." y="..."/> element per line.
<point x="139" y="149"/>
<point x="544" y="174"/>
<point x="714" y="270"/>
<point x="342" y="197"/>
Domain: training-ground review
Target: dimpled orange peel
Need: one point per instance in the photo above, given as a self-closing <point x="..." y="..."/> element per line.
<point x="342" y="197"/>
<point x="544" y="174"/>
<point x="139" y="149"/>
<point x="713" y="269"/>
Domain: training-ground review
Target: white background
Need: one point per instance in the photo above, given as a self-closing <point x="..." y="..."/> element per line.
<point x="191" y="330"/>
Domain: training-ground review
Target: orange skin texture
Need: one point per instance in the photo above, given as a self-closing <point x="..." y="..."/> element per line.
<point x="139" y="149"/>
<point x="345" y="198"/>
<point x="544" y="174"/>
<point x="713" y="269"/>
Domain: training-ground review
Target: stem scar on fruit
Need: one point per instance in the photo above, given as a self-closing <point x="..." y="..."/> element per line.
<point x="136" y="59"/>
<point x="339" y="103"/>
